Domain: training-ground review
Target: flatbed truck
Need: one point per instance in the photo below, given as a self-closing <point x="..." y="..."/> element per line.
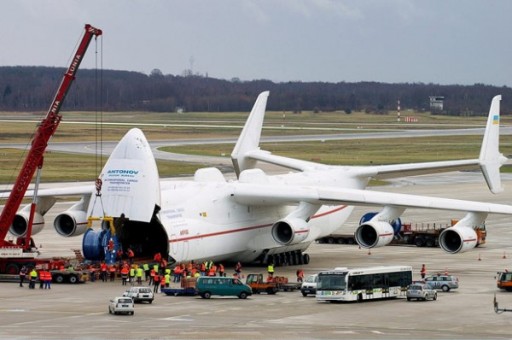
<point x="420" y="235"/>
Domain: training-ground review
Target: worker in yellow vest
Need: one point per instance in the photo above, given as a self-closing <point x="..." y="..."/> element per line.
<point x="33" y="278"/>
<point x="167" y="279"/>
<point x="132" y="275"/>
<point x="139" y="273"/>
<point x="270" y="269"/>
<point x="145" y="266"/>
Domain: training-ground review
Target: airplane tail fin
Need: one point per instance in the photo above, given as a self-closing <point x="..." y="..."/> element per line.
<point x="490" y="157"/>
<point x="249" y="139"/>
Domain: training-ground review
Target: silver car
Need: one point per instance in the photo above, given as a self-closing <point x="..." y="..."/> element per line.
<point x="122" y="305"/>
<point x="140" y="294"/>
<point x="443" y="282"/>
<point x="421" y="291"/>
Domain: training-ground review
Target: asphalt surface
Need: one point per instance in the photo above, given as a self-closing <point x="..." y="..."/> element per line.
<point x="80" y="311"/>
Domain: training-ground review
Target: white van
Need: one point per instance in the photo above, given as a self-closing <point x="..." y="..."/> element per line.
<point x="309" y="285"/>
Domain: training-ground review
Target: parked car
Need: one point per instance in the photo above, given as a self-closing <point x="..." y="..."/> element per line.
<point x="121" y="305"/>
<point x="225" y="286"/>
<point x="443" y="282"/>
<point x="421" y="291"/>
<point x="309" y="285"/>
<point x="140" y="294"/>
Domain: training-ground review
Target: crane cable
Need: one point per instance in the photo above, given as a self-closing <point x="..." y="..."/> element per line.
<point x="98" y="101"/>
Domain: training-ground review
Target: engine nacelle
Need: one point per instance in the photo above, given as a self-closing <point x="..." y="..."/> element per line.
<point x="19" y="226"/>
<point x="71" y="223"/>
<point x="290" y="231"/>
<point x="374" y="234"/>
<point x="458" y="239"/>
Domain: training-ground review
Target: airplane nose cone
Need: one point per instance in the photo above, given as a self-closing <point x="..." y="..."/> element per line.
<point x="131" y="184"/>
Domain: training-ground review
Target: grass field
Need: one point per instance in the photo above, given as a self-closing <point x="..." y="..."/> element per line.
<point x="80" y="126"/>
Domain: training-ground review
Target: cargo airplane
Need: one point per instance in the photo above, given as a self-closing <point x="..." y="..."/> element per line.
<point x="257" y="217"/>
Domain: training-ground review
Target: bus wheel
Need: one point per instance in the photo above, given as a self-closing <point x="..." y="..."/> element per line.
<point x="360" y="297"/>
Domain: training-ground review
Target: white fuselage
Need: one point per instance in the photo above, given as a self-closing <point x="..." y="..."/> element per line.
<point x="202" y="220"/>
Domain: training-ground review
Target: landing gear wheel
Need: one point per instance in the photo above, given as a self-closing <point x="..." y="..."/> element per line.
<point x="305" y="258"/>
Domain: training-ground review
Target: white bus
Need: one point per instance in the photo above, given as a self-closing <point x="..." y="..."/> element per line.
<point x="358" y="284"/>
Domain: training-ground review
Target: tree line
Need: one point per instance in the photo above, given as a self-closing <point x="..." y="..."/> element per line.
<point x="31" y="88"/>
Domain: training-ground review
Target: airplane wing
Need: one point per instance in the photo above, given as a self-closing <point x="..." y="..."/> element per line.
<point x="58" y="192"/>
<point x="247" y="152"/>
<point x="259" y="194"/>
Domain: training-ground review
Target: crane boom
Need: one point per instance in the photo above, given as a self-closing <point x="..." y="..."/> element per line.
<point x="43" y="134"/>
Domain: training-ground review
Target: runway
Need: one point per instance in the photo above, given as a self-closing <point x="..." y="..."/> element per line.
<point x="348" y="134"/>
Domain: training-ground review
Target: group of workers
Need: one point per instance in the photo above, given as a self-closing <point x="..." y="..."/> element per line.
<point x="157" y="273"/>
<point x="44" y="276"/>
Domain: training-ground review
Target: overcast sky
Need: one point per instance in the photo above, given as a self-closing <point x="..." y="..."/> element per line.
<point x="428" y="41"/>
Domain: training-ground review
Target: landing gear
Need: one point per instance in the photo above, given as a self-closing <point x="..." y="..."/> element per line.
<point x="289" y="258"/>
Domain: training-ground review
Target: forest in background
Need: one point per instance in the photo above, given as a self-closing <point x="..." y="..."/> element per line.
<point x="32" y="88"/>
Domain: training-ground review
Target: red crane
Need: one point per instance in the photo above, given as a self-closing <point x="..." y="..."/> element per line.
<point x="43" y="134"/>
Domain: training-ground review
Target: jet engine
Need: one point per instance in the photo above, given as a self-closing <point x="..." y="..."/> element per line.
<point x="374" y="234"/>
<point x="290" y="231"/>
<point x="71" y="223"/>
<point x="458" y="239"/>
<point x="19" y="226"/>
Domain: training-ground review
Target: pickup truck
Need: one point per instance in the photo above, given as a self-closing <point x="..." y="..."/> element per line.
<point x="278" y="283"/>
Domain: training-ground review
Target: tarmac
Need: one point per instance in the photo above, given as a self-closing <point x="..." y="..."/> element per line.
<point x="80" y="311"/>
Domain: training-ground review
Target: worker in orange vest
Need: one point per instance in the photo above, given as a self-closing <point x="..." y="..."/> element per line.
<point x="423" y="271"/>
<point x="42" y="276"/>
<point x="112" y="269"/>
<point x="300" y="275"/>
<point x="131" y="255"/>
<point x="177" y="273"/>
<point x="151" y="276"/>
<point x="124" y="274"/>
<point x="213" y="270"/>
<point x="103" y="271"/>
<point x="162" y="283"/>
<point x="47" y="277"/>
<point x="156" y="282"/>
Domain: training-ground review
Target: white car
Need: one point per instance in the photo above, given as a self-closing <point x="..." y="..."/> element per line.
<point x="140" y="294"/>
<point x="121" y="305"/>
